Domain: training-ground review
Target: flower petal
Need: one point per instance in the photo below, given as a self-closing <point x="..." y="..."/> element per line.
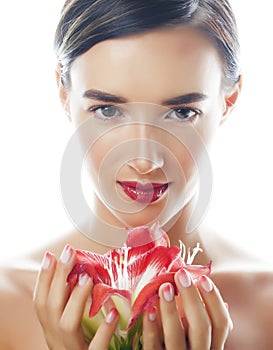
<point x="101" y="293"/>
<point x="91" y="325"/>
<point x="199" y="270"/>
<point x="156" y="262"/>
<point x="124" y="310"/>
<point x="150" y="290"/>
<point x="149" y="294"/>
<point x="91" y="263"/>
<point x="147" y="237"/>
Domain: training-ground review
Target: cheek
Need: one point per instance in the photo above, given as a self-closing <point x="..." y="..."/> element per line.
<point x="184" y="157"/>
<point x="95" y="157"/>
<point x="103" y="159"/>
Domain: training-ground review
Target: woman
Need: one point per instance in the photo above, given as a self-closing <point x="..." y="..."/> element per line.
<point x="146" y="84"/>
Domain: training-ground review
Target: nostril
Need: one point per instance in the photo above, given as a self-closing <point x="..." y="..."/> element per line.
<point x="144" y="166"/>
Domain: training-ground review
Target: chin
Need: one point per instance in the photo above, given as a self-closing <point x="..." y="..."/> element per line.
<point x="147" y="216"/>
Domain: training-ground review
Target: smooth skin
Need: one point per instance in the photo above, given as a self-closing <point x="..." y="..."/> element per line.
<point x="149" y="68"/>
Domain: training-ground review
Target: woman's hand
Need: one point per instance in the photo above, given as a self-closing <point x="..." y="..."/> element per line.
<point x="60" y="312"/>
<point x="202" y="322"/>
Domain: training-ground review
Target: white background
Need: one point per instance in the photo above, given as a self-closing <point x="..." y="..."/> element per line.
<point x="34" y="132"/>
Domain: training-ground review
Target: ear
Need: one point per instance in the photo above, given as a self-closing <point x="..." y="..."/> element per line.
<point x="230" y="100"/>
<point x="63" y="92"/>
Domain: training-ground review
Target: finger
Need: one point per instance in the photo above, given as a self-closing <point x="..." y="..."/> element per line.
<point x="181" y="313"/>
<point x="217" y="310"/>
<point x="59" y="291"/>
<point x="42" y="287"/>
<point x="174" y="335"/>
<point x="70" y="323"/>
<point x="105" y="332"/>
<point x="199" y="325"/>
<point x="151" y="336"/>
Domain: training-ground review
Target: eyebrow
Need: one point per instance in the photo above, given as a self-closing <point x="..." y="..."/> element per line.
<point x="110" y="98"/>
<point x="103" y="96"/>
<point x="184" y="99"/>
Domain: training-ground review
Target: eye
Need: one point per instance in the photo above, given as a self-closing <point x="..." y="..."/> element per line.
<point x="106" y="112"/>
<point x="183" y="114"/>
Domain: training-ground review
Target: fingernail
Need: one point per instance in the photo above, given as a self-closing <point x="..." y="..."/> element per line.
<point x="111" y="316"/>
<point x="168" y="292"/>
<point x="184" y="278"/>
<point x="46" y="261"/>
<point x="206" y="284"/>
<point x="83" y="279"/>
<point x="66" y="254"/>
<point x="152" y="314"/>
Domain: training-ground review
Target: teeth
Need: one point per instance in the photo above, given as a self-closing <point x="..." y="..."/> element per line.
<point x="143" y="182"/>
<point x="147" y="194"/>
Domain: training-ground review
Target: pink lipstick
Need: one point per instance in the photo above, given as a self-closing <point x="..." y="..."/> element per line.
<point x="143" y="193"/>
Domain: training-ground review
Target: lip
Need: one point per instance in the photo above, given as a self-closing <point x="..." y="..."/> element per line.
<point x="143" y="193"/>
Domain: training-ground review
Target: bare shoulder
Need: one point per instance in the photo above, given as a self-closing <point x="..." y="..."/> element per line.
<point x="256" y="281"/>
<point x="19" y="327"/>
<point x="249" y="294"/>
<point x="260" y="286"/>
<point x="245" y="282"/>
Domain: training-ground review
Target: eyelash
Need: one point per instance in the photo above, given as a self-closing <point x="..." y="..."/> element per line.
<point x="191" y="119"/>
<point x="195" y="113"/>
<point x="94" y="110"/>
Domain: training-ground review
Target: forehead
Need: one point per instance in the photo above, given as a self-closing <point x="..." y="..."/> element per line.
<point x="161" y="62"/>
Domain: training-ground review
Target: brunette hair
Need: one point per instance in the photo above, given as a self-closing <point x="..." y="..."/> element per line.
<point x="85" y="23"/>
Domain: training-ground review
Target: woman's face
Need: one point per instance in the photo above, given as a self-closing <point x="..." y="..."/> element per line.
<point x="146" y="108"/>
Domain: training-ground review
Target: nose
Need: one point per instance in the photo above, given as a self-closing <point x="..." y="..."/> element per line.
<point x="148" y="153"/>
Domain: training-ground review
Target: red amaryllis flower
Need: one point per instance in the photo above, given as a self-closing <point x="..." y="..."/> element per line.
<point x="131" y="276"/>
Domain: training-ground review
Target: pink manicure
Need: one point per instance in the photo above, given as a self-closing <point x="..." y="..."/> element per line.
<point x="206" y="284"/>
<point x="184" y="278"/>
<point x="83" y="279"/>
<point x="66" y="254"/>
<point x="46" y="261"/>
<point x="152" y="314"/>
<point x="168" y="292"/>
<point x="111" y="316"/>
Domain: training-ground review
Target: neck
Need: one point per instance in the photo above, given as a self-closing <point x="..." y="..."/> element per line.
<point x="111" y="231"/>
<point x="104" y="232"/>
